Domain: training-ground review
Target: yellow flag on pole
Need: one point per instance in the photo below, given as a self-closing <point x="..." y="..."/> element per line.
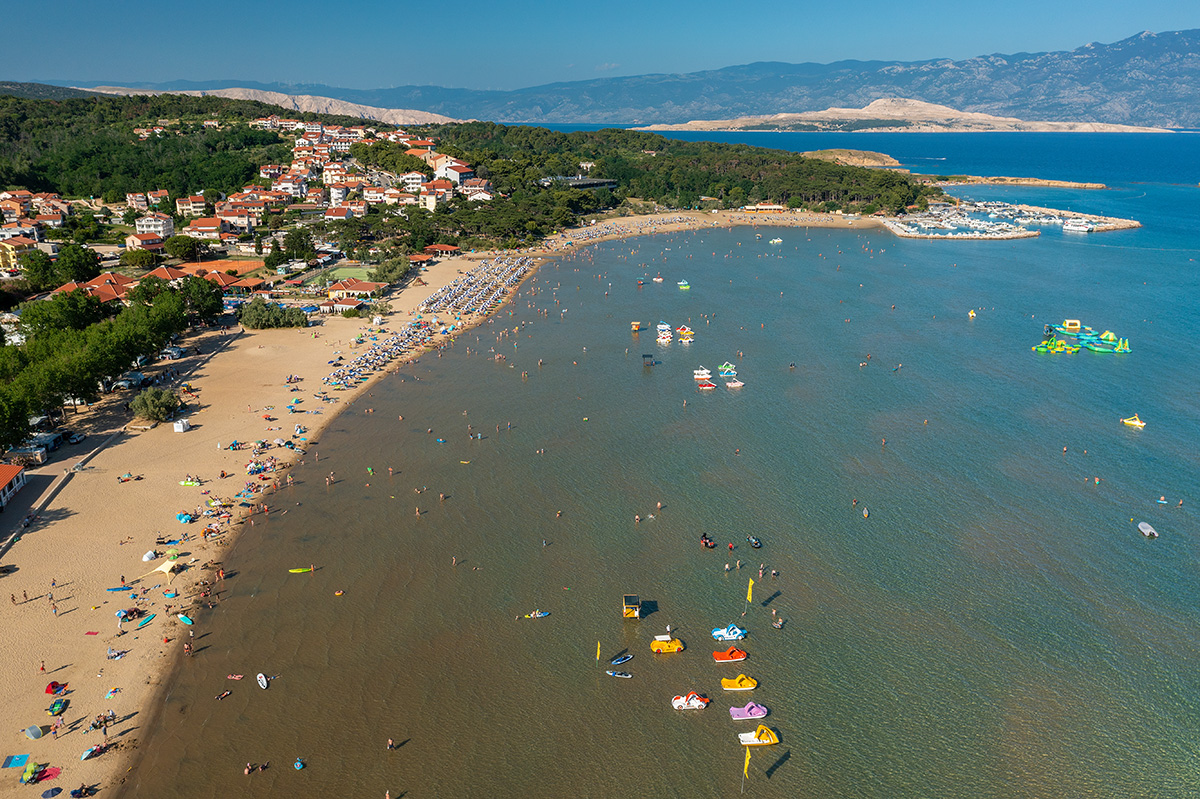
<point x="750" y="591"/>
<point x="597" y="651"/>
<point x="746" y="767"/>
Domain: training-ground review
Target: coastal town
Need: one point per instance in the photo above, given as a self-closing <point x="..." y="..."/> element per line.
<point x="103" y="493"/>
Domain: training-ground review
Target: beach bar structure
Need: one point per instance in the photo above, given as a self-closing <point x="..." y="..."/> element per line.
<point x="631" y="606"/>
<point x="12" y="477"/>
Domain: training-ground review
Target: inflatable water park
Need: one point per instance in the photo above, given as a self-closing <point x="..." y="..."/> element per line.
<point x="1071" y="337"/>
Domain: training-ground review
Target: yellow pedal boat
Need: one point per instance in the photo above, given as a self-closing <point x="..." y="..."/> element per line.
<point x="1134" y="421"/>
<point x="763" y="736"/>
<point x="739" y="683"/>
<point x="665" y="644"/>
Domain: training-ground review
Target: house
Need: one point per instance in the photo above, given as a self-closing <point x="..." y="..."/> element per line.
<point x="190" y="206"/>
<point x="221" y="279"/>
<point x="271" y="171"/>
<point x="291" y="184"/>
<point x="27" y="229"/>
<point x="394" y="196"/>
<point x="338" y="214"/>
<point x="12" y="209"/>
<point x="337" y="306"/>
<point x="49" y="220"/>
<point x="12" y="249"/>
<point x="151" y="242"/>
<point x="455" y="172"/>
<point x="205" y="228"/>
<point x="107" y="286"/>
<point x="357" y="207"/>
<point x="373" y="194"/>
<point x="158" y="197"/>
<point x="442" y="249"/>
<point x="12" y="477"/>
<point x="236" y="219"/>
<point x="167" y="273"/>
<point x="337" y="193"/>
<point x="247" y="285"/>
<point x="137" y="201"/>
<point x="421" y="144"/>
<point x="353" y="287"/>
<point x="160" y="225"/>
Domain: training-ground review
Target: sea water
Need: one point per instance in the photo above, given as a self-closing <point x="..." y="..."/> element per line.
<point x="994" y="626"/>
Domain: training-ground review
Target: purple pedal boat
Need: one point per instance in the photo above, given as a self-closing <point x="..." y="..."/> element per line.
<point x="752" y="710"/>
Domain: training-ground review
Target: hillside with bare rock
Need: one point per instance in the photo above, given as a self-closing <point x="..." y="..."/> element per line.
<point x="305" y="103"/>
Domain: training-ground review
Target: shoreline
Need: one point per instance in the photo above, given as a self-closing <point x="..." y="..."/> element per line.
<point x="74" y="548"/>
<point x="226" y="379"/>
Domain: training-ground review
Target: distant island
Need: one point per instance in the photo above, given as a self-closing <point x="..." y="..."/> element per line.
<point x="896" y="114"/>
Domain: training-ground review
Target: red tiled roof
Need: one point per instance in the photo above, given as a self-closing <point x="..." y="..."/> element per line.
<point x="8" y="473"/>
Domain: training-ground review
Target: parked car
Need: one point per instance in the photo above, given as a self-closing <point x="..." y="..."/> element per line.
<point x="171" y="353"/>
<point x="75" y="438"/>
<point x="130" y="380"/>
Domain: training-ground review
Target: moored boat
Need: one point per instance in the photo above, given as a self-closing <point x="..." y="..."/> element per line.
<point x="657" y="278"/>
<point x="701" y="373"/>
<point x="739" y="683"/>
<point x="751" y="710"/>
<point x="683" y="285"/>
<point x="730" y="655"/>
<point x="1147" y="530"/>
<point x="665" y="645"/>
<point x="690" y="701"/>
<point x="730" y="633"/>
<point x="635" y="326"/>
<point x="735" y="383"/>
<point x="706" y="385"/>
<point x="1134" y="421"/>
<point x="763" y="736"/>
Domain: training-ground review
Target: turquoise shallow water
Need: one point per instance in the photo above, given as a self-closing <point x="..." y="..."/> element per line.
<point x="996" y="627"/>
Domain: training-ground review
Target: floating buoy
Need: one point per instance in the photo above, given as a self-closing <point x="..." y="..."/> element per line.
<point x="338" y="593"/>
<point x="299" y="764"/>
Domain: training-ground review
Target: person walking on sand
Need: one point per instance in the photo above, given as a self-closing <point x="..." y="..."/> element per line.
<point x="391" y="744"/>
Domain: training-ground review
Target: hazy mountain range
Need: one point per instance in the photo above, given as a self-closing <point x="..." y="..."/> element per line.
<point x="1148" y="79"/>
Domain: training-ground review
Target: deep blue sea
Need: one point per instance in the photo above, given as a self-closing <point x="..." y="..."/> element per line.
<point x="995" y="626"/>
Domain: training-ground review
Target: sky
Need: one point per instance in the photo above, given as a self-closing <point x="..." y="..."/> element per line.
<point x="495" y="44"/>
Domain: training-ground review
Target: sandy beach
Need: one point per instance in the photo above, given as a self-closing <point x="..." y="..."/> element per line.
<point x="89" y="530"/>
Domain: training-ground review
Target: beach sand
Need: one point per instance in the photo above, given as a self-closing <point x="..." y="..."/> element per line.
<point x="91" y="529"/>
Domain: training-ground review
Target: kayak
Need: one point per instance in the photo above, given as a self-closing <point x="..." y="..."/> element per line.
<point x="183" y="618"/>
<point x="299" y="571"/>
<point x="624" y="674"/>
<point x="617" y="661"/>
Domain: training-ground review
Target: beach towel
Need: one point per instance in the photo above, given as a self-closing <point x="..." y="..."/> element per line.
<point x="92" y="632"/>
<point x="15" y="761"/>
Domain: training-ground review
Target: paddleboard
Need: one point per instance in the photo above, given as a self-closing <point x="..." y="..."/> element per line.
<point x="118" y="588"/>
<point x="146" y="620"/>
<point x="617" y="661"/>
<point x="299" y="571"/>
<point x="183" y="618"/>
<point x="262" y="681"/>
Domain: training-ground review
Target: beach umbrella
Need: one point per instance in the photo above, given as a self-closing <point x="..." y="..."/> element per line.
<point x="50" y="793"/>
<point x="151" y="555"/>
<point x="172" y="553"/>
<point x="279" y="442"/>
<point x="55" y="686"/>
<point x="182" y="518"/>
<point x="121" y="614"/>
<point x="34" y="731"/>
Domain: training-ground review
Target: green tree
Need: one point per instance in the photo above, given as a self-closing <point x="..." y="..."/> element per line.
<point x="68" y="310"/>
<point x="130" y="216"/>
<point x="76" y="263"/>
<point x="14" y="418"/>
<point x="202" y="298"/>
<point x="297" y="243"/>
<point x="389" y="271"/>
<point x="38" y="268"/>
<point x="138" y="259"/>
<point x="185" y="248"/>
<point x="148" y="290"/>
<point x="155" y="404"/>
<point x="258" y="315"/>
